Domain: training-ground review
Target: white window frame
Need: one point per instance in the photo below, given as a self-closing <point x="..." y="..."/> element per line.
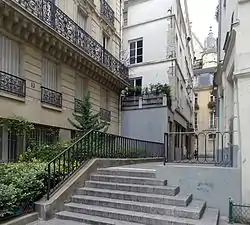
<point x="80" y="13"/>
<point x="135" y="50"/>
<point x="212" y="119"/>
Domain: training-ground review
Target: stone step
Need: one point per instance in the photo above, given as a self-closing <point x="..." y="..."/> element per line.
<point x="163" y="190"/>
<point x="94" y="220"/>
<point x="178" y="200"/>
<point x="130" y="216"/>
<point x="129" y="172"/>
<point x="194" y="210"/>
<point x="128" y="180"/>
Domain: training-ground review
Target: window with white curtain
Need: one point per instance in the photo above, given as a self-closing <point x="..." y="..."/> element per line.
<point x="9" y="56"/>
<point x="81" y="87"/>
<point x="49" y="74"/>
<point x="82" y="19"/>
<point x="104" y="98"/>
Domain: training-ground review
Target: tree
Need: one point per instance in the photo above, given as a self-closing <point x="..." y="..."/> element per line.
<point x="86" y="119"/>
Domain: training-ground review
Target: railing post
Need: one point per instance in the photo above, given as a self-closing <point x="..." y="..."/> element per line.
<point x="48" y="188"/>
<point x="230" y="212"/>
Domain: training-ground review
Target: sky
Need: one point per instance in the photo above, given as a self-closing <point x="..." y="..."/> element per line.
<point x="201" y="14"/>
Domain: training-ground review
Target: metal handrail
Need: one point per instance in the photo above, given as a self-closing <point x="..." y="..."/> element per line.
<point x="96" y="144"/>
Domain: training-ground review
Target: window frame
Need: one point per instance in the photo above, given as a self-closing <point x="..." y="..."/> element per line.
<point x="135" y="49"/>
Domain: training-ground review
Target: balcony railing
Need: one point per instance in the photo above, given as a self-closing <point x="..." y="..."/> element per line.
<point x="56" y="19"/>
<point x="12" y="84"/>
<point x="107" y="12"/>
<point x="105" y="115"/>
<point x="51" y="97"/>
<point x="77" y="105"/>
<point x="198" y="64"/>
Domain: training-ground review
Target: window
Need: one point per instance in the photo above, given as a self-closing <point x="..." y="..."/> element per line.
<point x="196" y="98"/>
<point x="49" y="74"/>
<point x="212" y="99"/>
<point x="211" y="136"/>
<point x="136" y="51"/>
<point x="125" y="18"/>
<point x="82" y="19"/>
<point x="105" y="41"/>
<point x="137" y="82"/>
<point x="81" y="87"/>
<point x="212" y="119"/>
<point x="196" y="121"/>
<point x="104" y="99"/>
<point x="9" y="56"/>
<point x="225" y="3"/>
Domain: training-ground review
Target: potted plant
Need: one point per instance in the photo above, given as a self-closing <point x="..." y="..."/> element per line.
<point x="196" y="106"/>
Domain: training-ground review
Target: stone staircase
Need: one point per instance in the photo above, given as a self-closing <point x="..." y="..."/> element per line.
<point x="134" y="196"/>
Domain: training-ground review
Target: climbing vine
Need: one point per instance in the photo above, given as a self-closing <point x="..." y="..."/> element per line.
<point x="19" y="126"/>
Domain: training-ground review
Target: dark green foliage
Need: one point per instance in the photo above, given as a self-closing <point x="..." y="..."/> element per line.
<point x="86" y="119"/>
<point x="20" y="184"/>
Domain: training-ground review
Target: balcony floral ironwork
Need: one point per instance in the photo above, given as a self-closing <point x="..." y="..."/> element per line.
<point x="53" y="17"/>
<point x="12" y="84"/>
<point x="107" y="12"/>
<point x="105" y="115"/>
<point x="51" y="97"/>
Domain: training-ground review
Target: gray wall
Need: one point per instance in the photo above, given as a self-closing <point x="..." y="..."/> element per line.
<point x="209" y="183"/>
<point x="146" y="124"/>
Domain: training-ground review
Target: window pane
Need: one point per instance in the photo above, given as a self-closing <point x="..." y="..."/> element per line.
<point x="139" y="59"/>
<point x="132" y="53"/>
<point x="132" y="60"/>
<point x="139" y="52"/>
<point x="132" y="45"/>
<point x="139" y="44"/>
<point x="138" y="82"/>
<point x="131" y="81"/>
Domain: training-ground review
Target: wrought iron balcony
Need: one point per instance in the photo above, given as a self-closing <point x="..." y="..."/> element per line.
<point x="12" y="84"/>
<point x="51" y="97"/>
<point x="77" y="105"/>
<point x="105" y="115"/>
<point x="56" y="19"/>
<point x="107" y="12"/>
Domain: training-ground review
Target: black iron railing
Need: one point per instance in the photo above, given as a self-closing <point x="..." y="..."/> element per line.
<point x="78" y="103"/>
<point x="56" y="19"/>
<point x="95" y="144"/>
<point x="107" y="12"/>
<point x="105" y="115"/>
<point x="12" y="84"/>
<point x="51" y="97"/>
<point x="238" y="213"/>
<point x="199" y="147"/>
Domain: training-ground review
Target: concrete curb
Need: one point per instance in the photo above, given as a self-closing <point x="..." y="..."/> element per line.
<point x="23" y="220"/>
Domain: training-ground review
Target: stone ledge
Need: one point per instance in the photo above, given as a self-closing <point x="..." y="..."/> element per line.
<point x="23" y="220"/>
<point x="51" y="107"/>
<point x="13" y="97"/>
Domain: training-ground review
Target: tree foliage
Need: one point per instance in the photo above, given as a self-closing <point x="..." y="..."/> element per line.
<point x="86" y="120"/>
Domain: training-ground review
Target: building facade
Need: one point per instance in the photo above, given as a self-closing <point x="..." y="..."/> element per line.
<point x="205" y="114"/>
<point x="157" y="47"/>
<point x="233" y="81"/>
<point x="52" y="53"/>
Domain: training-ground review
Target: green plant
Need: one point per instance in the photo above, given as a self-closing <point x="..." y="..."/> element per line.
<point x="21" y="184"/>
<point x="196" y="106"/>
<point x="87" y="120"/>
<point x="211" y="105"/>
<point x="43" y="153"/>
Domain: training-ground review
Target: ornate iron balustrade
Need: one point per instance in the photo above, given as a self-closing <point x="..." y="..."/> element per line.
<point x="107" y="12"/>
<point x="56" y="19"/>
<point x="12" y="84"/>
<point x="51" y="97"/>
<point x="77" y="105"/>
<point x="105" y="115"/>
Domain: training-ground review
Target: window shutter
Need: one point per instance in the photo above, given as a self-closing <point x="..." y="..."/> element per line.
<point x="9" y="56"/>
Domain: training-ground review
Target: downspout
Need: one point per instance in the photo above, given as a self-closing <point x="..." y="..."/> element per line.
<point x="120" y="52"/>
